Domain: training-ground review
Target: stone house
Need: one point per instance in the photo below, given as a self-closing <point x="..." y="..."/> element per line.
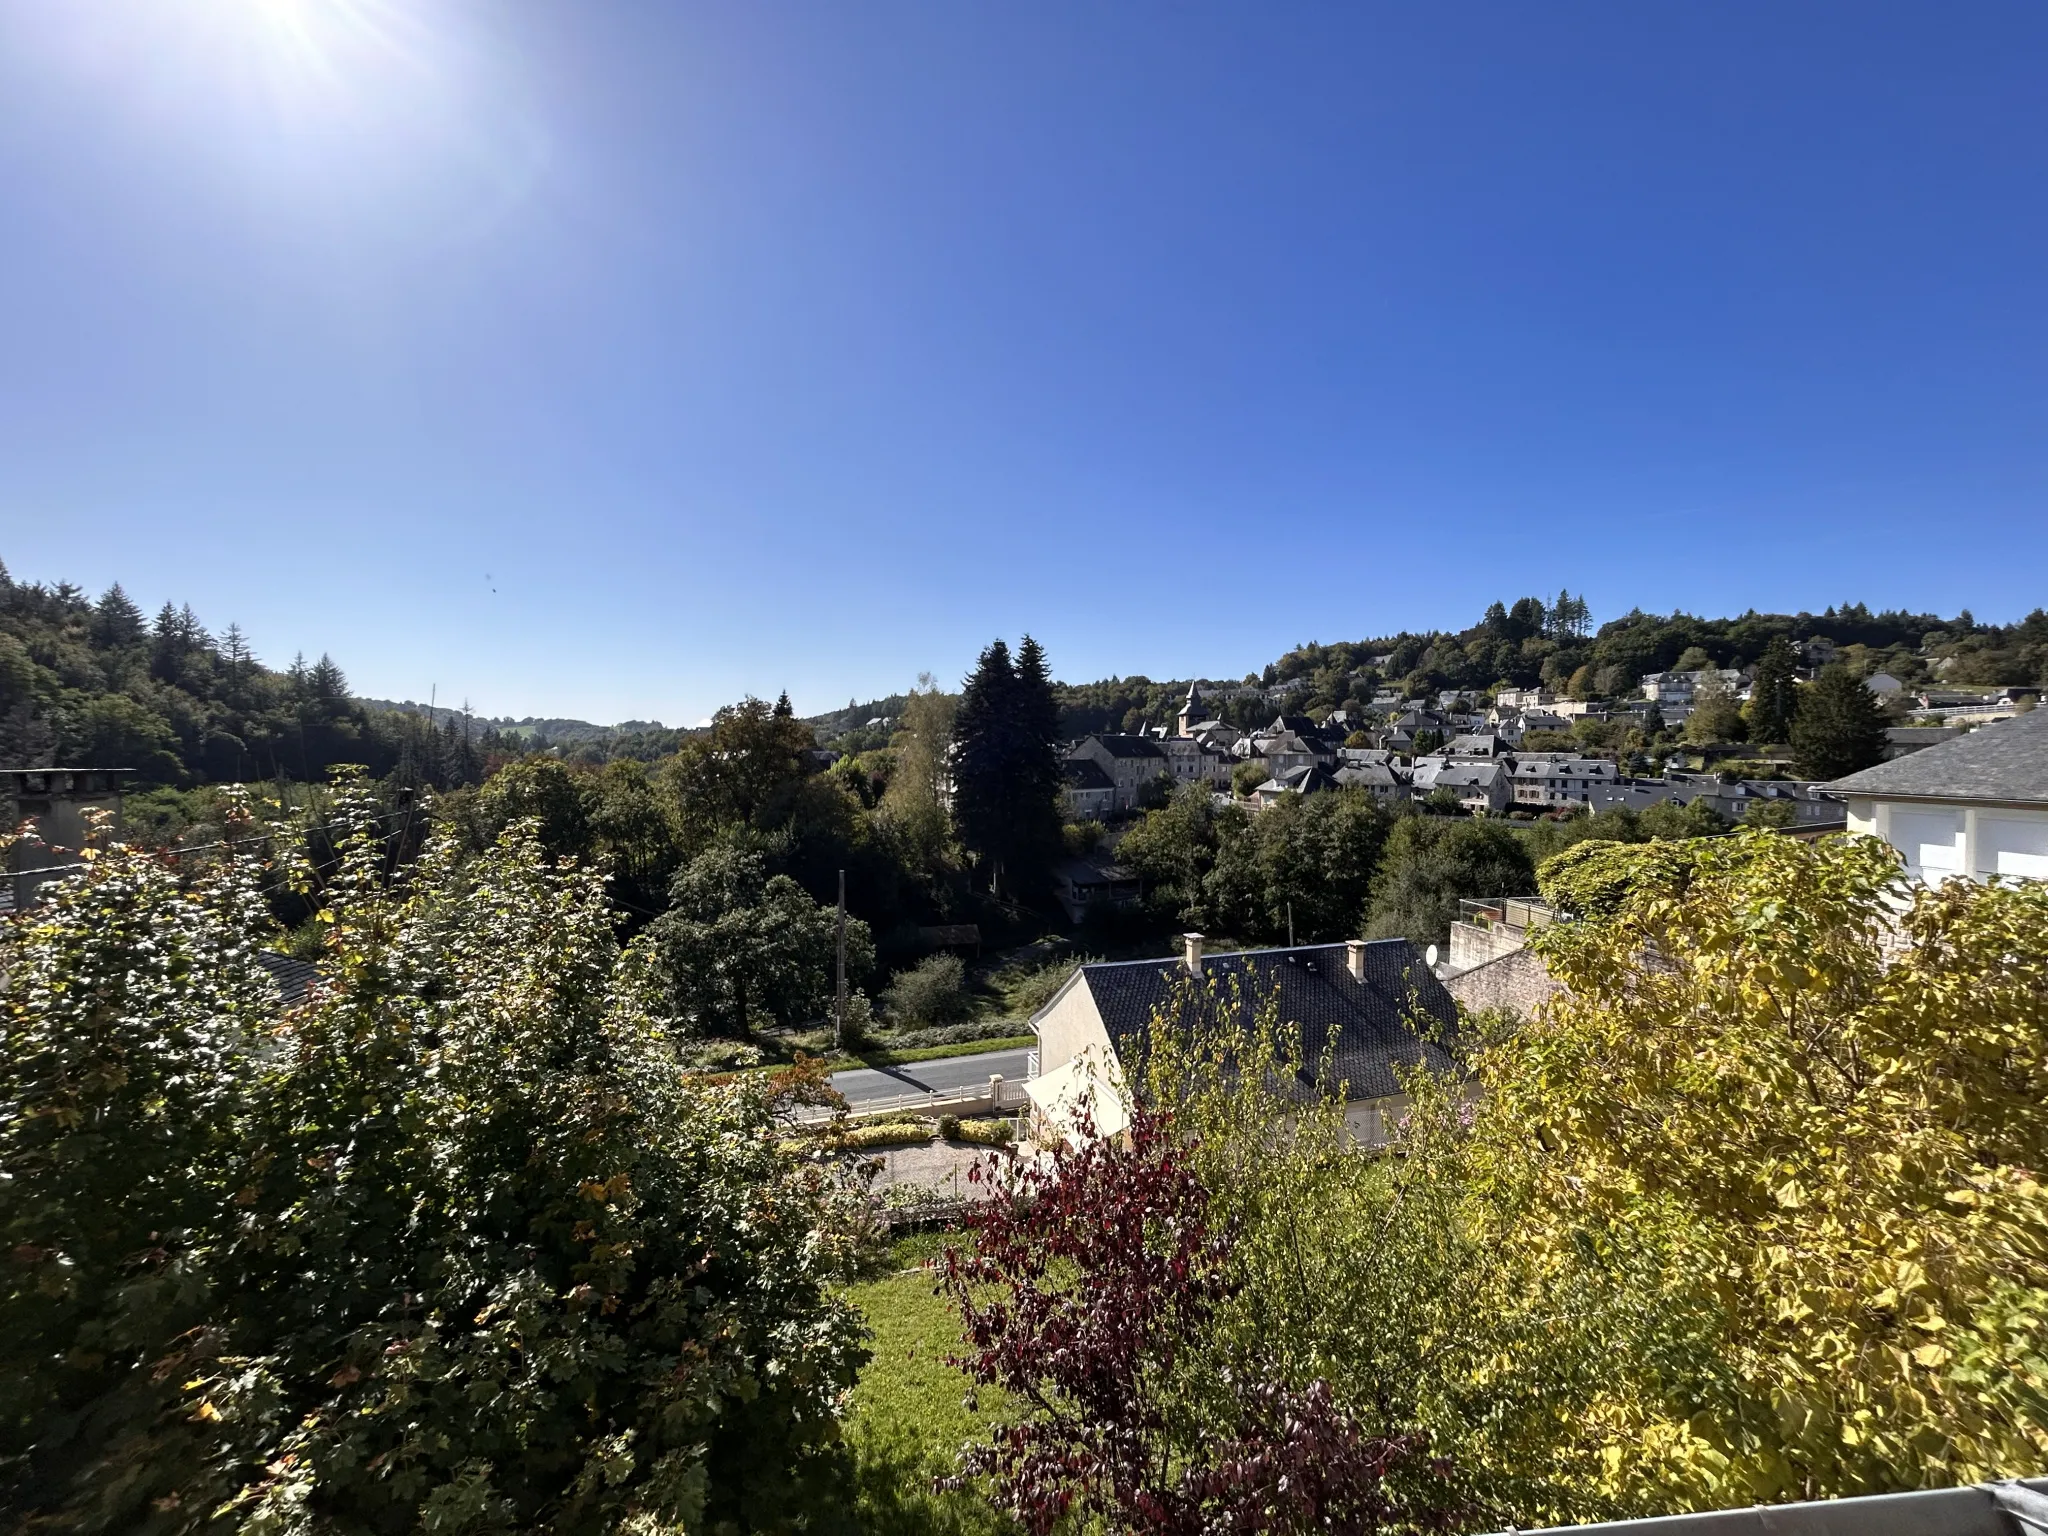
<point x="1363" y="1011"/>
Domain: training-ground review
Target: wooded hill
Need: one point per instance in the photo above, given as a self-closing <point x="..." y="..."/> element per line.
<point x="95" y="682"/>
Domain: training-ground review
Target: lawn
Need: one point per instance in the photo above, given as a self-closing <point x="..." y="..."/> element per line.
<point x="907" y="1417"/>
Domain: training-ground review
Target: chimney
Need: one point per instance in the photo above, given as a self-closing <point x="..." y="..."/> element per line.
<point x="1354" y="959"/>
<point x="1191" y="949"/>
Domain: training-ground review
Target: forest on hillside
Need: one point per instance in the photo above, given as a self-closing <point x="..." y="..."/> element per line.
<point x="92" y="682"/>
<point x="96" y="682"/>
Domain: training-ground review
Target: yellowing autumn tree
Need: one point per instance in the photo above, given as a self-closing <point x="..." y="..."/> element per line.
<point x="1815" y="1099"/>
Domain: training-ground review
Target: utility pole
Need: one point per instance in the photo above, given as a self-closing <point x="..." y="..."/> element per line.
<point x="839" y="1011"/>
<point x="1290" y="925"/>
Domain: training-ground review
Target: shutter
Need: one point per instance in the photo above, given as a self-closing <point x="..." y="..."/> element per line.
<point x="1932" y="842"/>
<point x="2014" y="846"/>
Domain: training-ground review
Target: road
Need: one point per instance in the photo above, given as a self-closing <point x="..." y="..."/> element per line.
<point x="868" y="1085"/>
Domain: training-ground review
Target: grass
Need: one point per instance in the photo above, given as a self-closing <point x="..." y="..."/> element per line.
<point x="882" y="1056"/>
<point x="907" y="1417"/>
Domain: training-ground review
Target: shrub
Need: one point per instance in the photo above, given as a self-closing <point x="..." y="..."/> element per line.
<point x="454" y="1244"/>
<point x="887" y="1133"/>
<point x="982" y="1133"/>
<point x="1030" y="990"/>
<point x="933" y="991"/>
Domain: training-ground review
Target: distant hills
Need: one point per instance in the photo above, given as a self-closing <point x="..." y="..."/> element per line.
<point x="560" y="732"/>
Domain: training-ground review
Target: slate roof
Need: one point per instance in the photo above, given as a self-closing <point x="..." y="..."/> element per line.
<point x="1086" y="773"/>
<point x="2005" y="761"/>
<point x="1302" y="781"/>
<point x="1457" y="775"/>
<point x="293" y="976"/>
<point x="1364" y="1028"/>
<point x="1367" y="775"/>
<point x="1129" y="746"/>
<point x="1097" y="869"/>
<point x="1476" y="744"/>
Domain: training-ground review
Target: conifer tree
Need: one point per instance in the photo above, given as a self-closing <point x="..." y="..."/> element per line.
<point x="1006" y="765"/>
<point x="1774" y="693"/>
<point x="116" y="620"/>
<point x="1839" y="727"/>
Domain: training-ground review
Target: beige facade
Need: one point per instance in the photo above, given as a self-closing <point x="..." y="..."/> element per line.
<point x="1940" y="840"/>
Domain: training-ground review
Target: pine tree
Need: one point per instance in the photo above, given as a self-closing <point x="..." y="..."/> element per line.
<point x="326" y="683"/>
<point x="978" y="766"/>
<point x="1005" y="766"/>
<point x="167" y="645"/>
<point x="1839" y="726"/>
<point x="1041" y="781"/>
<point x="1774" y="693"/>
<point x="236" y="652"/>
<point x="116" y="620"/>
<point x="783" y="709"/>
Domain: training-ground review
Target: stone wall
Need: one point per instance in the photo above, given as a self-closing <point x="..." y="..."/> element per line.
<point x="1475" y="944"/>
<point x="1517" y="982"/>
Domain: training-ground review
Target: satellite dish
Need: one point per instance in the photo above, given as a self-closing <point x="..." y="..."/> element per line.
<point x="1429" y="956"/>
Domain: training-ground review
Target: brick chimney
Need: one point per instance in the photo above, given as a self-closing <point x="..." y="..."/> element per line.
<point x="1191" y="951"/>
<point x="1354" y="959"/>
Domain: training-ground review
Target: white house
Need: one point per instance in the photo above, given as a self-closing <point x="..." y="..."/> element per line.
<point x="1546" y="780"/>
<point x="1355" y="1005"/>
<point x="1480" y="787"/>
<point x="1975" y="807"/>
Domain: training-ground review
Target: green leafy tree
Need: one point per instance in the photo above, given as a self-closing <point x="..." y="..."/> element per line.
<point x="1839" y="726"/>
<point x="1715" y="714"/>
<point x="912" y="810"/>
<point x="743" y="772"/>
<point x="544" y="791"/>
<point x="738" y="943"/>
<point x="933" y="991"/>
<point x="451" y="1244"/>
<point x="1774" y="693"/>
<point x="1431" y="862"/>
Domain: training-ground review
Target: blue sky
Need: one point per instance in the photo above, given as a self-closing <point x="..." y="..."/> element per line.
<point x="617" y="360"/>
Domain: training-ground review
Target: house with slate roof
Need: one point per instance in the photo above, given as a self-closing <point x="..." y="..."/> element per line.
<point x="1378" y="779"/>
<point x="1091" y="793"/>
<point x="1309" y="779"/>
<point x="1974" y="808"/>
<point x="1481" y="787"/>
<point x="1131" y="764"/>
<point x="1364" y="1012"/>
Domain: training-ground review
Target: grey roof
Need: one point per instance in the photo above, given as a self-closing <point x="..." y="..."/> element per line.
<point x="1086" y="773"/>
<point x="1129" y="746"/>
<point x="2006" y="761"/>
<point x="1374" y="775"/>
<point x="1364" y="1028"/>
<point x="1302" y="781"/>
<point x="294" y="977"/>
<point x="1095" y="869"/>
<point x="1466" y="775"/>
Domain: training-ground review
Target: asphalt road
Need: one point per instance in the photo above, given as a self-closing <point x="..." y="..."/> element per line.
<point x="867" y="1085"/>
